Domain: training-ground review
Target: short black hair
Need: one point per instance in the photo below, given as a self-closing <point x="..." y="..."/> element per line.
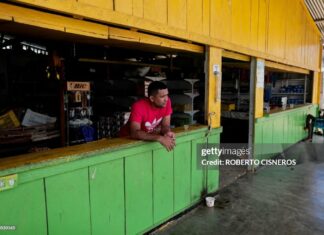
<point x="154" y="87"/>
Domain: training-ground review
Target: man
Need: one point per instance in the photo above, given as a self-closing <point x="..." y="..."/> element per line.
<point x="150" y="117"/>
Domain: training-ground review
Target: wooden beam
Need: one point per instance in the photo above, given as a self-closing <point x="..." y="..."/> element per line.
<point x="285" y="68"/>
<point x="235" y="56"/>
<point x="14" y="14"/>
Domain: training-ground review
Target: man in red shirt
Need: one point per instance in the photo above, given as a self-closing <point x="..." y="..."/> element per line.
<point x="150" y="117"/>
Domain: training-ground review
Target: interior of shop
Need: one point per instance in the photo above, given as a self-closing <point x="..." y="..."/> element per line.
<point x="60" y="93"/>
<point x="285" y="90"/>
<point x="235" y="101"/>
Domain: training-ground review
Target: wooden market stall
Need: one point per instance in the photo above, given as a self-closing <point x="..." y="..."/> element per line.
<point x="123" y="186"/>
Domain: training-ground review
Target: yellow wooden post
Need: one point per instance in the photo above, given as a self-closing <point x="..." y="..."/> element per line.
<point x="259" y="88"/>
<point x="316" y="88"/>
<point x="214" y="74"/>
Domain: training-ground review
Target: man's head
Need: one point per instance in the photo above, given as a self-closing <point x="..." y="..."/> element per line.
<point x="158" y="94"/>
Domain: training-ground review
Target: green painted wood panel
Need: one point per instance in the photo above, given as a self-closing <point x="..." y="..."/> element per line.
<point x="107" y="198"/>
<point x="68" y="206"/>
<point x="213" y="175"/>
<point x="124" y="191"/>
<point x="138" y="192"/>
<point x="291" y="129"/>
<point x="258" y="141"/>
<point x="182" y="176"/>
<point x="267" y="137"/>
<point x="198" y="174"/>
<point x="162" y="184"/>
<point x="278" y="135"/>
<point x="24" y="207"/>
<point x="287" y="128"/>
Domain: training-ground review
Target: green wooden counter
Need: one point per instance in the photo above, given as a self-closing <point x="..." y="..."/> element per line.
<point x="280" y="129"/>
<point x="116" y="186"/>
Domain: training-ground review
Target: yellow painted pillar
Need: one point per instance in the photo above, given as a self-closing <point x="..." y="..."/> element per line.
<point x="316" y="88"/>
<point x="259" y="88"/>
<point x="214" y="75"/>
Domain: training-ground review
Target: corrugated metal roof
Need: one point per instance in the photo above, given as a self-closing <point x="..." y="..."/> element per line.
<point x="316" y="9"/>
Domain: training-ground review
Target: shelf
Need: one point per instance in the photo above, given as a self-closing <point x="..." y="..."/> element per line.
<point x="292" y="79"/>
<point x="191" y="113"/>
<point x="135" y="63"/>
<point x="287" y="94"/>
<point x="192" y="81"/>
<point x="192" y="95"/>
<point x="155" y="78"/>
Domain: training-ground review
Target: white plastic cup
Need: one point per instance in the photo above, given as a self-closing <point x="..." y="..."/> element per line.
<point x="210" y="201"/>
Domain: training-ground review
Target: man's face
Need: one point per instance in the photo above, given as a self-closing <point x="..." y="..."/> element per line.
<point x="160" y="99"/>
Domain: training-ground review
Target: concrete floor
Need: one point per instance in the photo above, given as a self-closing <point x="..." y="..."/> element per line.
<point x="274" y="200"/>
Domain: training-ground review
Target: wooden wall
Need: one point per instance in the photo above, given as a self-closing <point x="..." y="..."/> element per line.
<point x="129" y="190"/>
<point x="278" y="30"/>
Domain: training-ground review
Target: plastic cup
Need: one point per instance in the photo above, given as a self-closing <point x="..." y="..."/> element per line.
<point x="185" y="127"/>
<point x="210" y="201"/>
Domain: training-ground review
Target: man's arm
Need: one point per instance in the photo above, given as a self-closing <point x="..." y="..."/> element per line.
<point x="165" y="127"/>
<point x="137" y="133"/>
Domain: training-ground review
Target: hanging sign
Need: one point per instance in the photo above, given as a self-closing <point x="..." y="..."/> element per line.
<point x="78" y="86"/>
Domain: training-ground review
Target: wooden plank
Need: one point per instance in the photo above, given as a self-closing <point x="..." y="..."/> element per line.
<point x="276" y="34"/>
<point x="107" y="198"/>
<point x="32" y="166"/>
<point x="162" y="185"/>
<point x="263" y="25"/>
<point x="285" y="68"/>
<point x="198" y="174"/>
<point x="254" y="21"/>
<point x="24" y="207"/>
<point x="182" y="176"/>
<point x="206" y="17"/>
<point x="221" y="11"/>
<point x="258" y="141"/>
<point x="177" y="13"/>
<point x="241" y="23"/>
<point x="106" y="4"/>
<point x="259" y="93"/>
<point x="124" y="6"/>
<point x="213" y="173"/>
<point x="235" y="56"/>
<point x="131" y="36"/>
<point x="155" y="10"/>
<point x="138" y="8"/>
<point x="194" y="16"/>
<point x="278" y="135"/>
<point x="68" y="208"/>
<point x="139" y="192"/>
<point x="54" y="22"/>
<point x="315" y="88"/>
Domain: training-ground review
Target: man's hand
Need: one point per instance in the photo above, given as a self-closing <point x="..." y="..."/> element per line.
<point x="167" y="142"/>
<point x="170" y="134"/>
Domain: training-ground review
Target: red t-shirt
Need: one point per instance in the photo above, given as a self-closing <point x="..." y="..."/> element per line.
<point x="147" y="115"/>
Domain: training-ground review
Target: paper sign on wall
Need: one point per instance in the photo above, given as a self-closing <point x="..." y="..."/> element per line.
<point x="260" y="74"/>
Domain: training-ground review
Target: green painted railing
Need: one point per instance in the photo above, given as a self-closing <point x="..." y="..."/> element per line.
<point x="278" y="131"/>
<point x="126" y="189"/>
